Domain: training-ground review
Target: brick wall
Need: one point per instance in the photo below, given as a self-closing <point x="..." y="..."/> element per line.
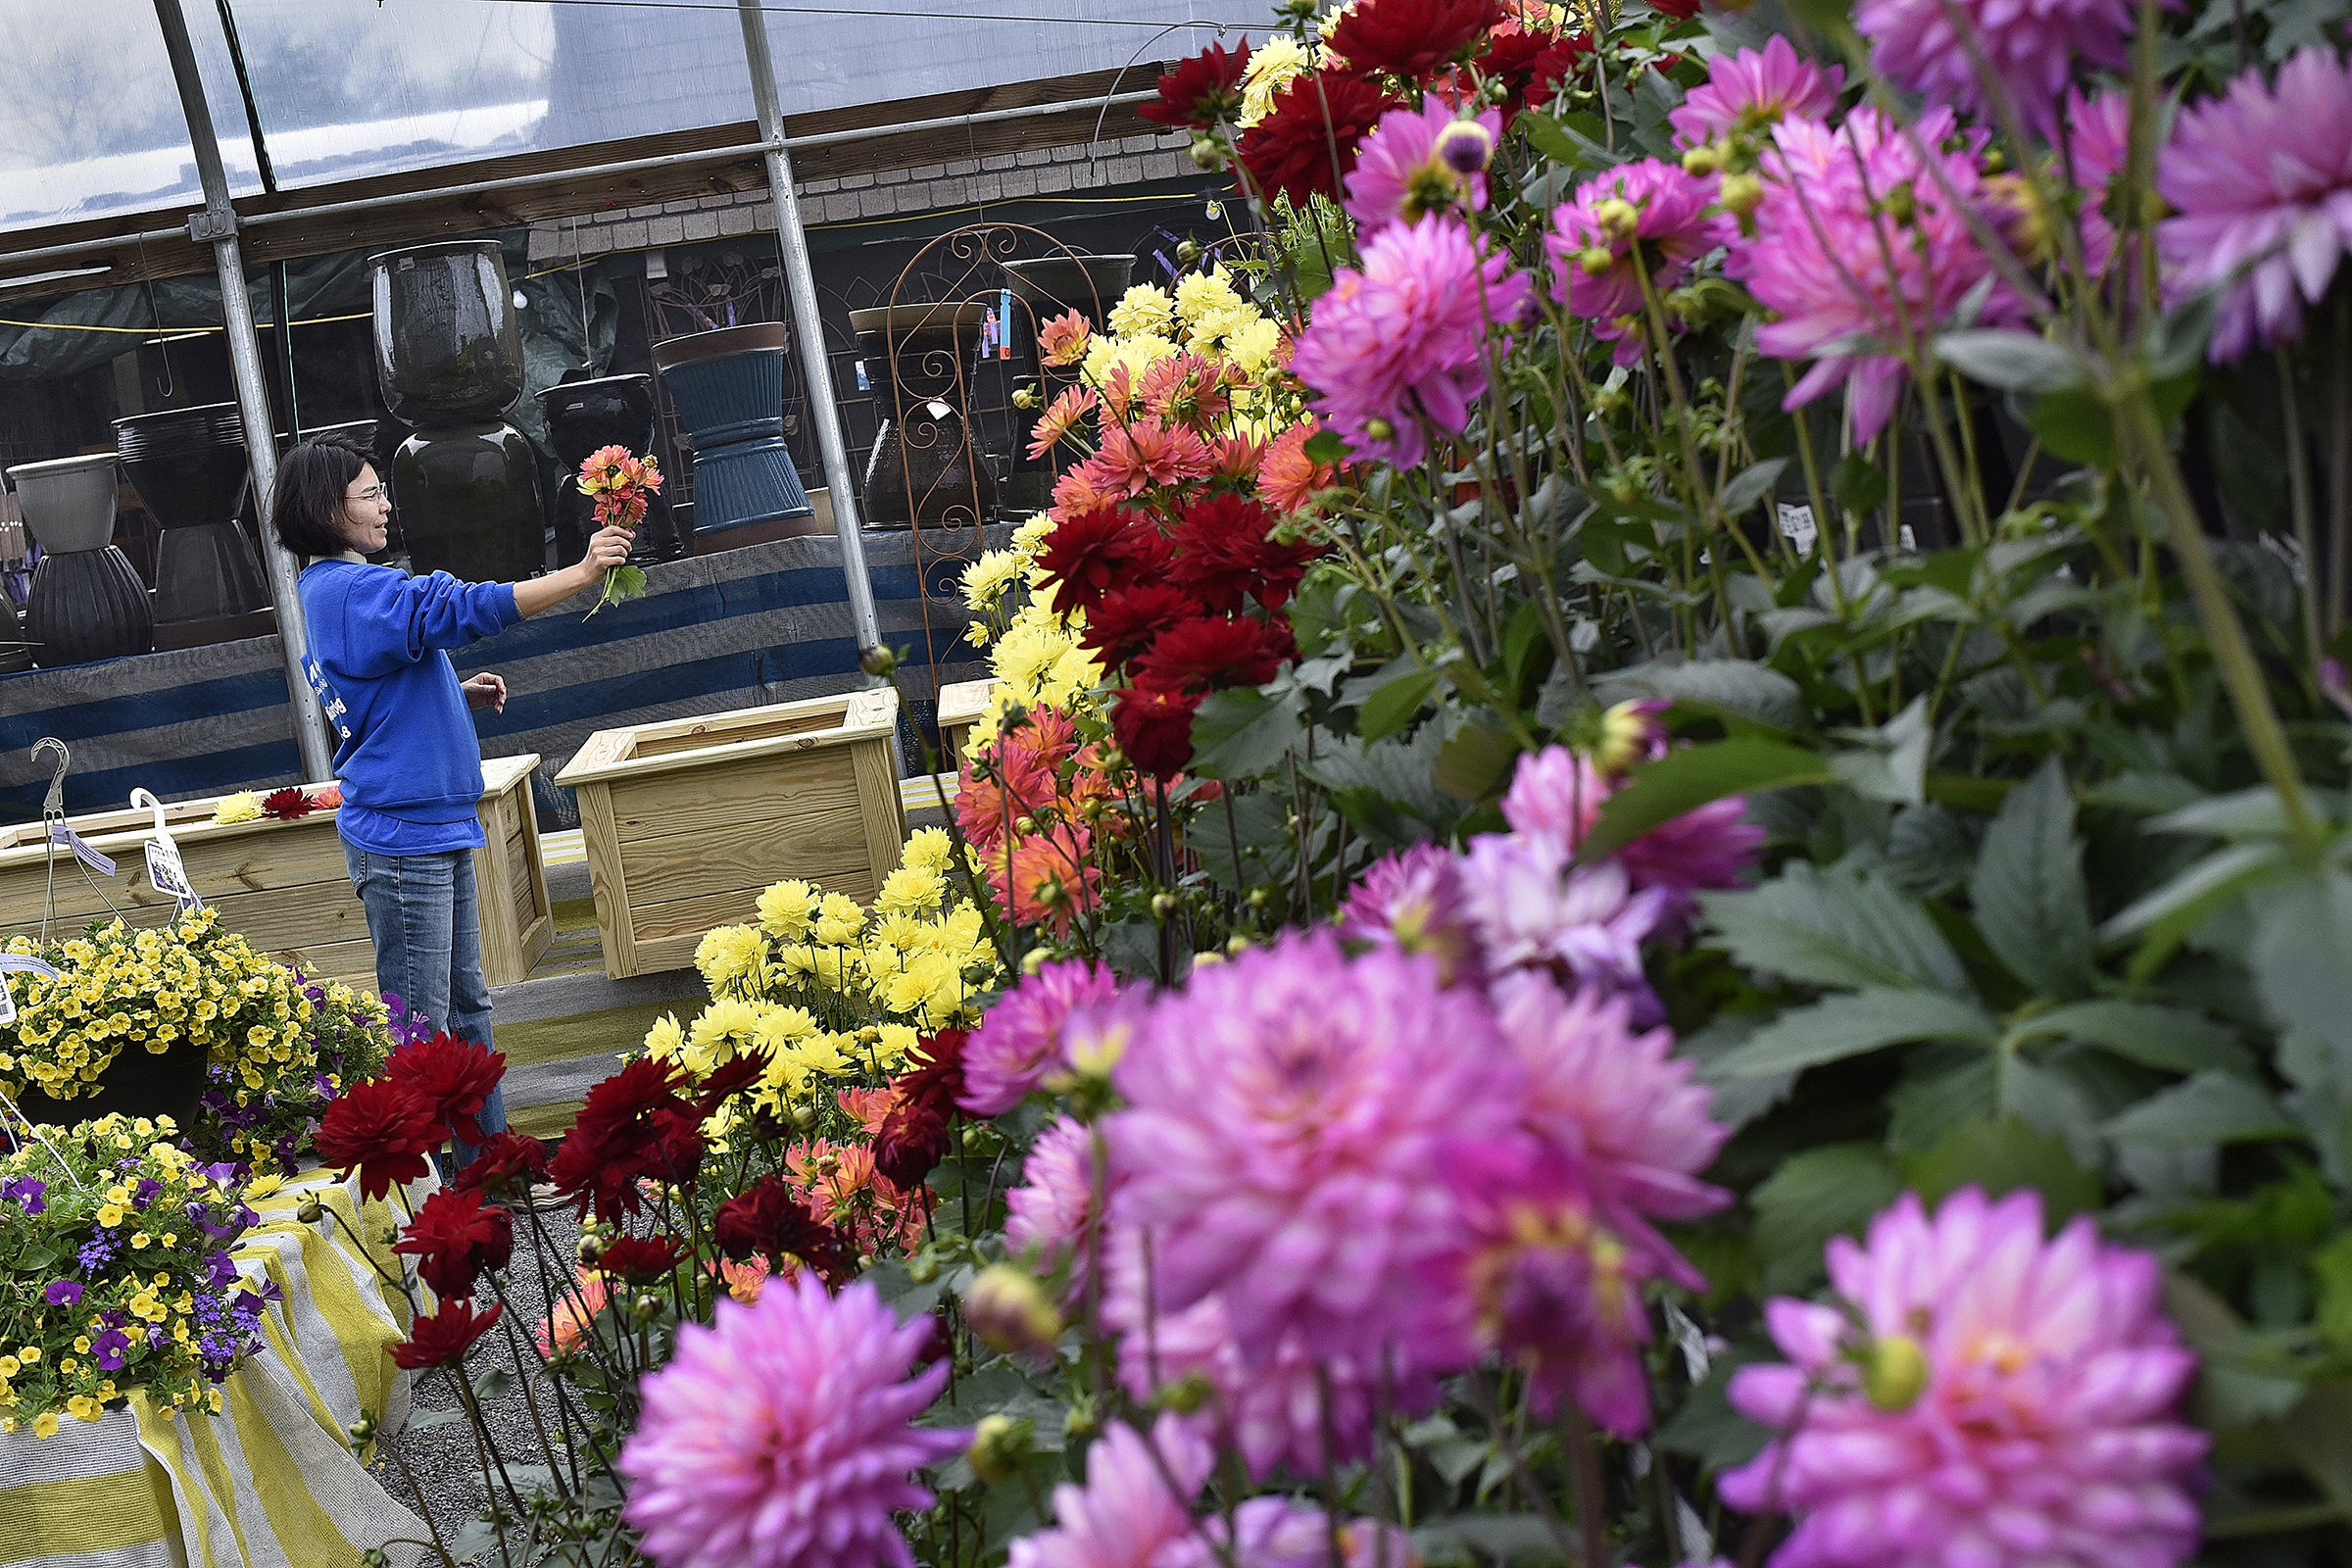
<point x="884" y="194"/>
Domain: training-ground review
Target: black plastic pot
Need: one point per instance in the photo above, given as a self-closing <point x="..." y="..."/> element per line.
<point x="467" y="497"/>
<point x="923" y="468"/>
<point x="448" y="350"/>
<point x="583" y="417"/>
<point x="1048" y="285"/>
<point x="137" y="1083"/>
<point x="189" y="467"/>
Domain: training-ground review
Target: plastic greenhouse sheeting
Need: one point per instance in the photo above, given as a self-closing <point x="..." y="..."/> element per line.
<point x="345" y="89"/>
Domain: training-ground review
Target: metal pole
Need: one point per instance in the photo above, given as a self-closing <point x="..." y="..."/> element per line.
<point x="218" y="223"/>
<point x="817" y="371"/>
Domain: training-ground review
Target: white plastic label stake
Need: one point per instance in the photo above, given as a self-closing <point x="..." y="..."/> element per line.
<point x="163" y="867"/>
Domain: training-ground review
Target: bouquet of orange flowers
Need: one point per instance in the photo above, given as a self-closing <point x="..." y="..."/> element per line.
<point x="620" y="483"/>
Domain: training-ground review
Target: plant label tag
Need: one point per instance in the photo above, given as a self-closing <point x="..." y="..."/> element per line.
<point x="1796" y="522"/>
<point x="58" y="833"/>
<point x="165" y="870"/>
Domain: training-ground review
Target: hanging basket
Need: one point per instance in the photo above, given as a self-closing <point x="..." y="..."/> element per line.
<point x="138" y="1082"/>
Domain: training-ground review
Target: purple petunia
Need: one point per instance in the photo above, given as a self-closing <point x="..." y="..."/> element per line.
<point x="109" y="1350"/>
<point x="26" y="1191"/>
<point x="62" y="1292"/>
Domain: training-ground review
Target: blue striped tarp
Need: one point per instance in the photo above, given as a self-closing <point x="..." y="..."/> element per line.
<point x="768" y="623"/>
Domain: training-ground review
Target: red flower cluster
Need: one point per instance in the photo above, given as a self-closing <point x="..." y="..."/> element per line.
<point x="453" y="1076"/>
<point x="506" y="1166"/>
<point x="1531" y="66"/>
<point x="1410" y="38"/>
<point x="1201" y="91"/>
<point x="287" y="805"/>
<point x="384" y="1130"/>
<point x="445" y="1336"/>
<point x="454" y="1237"/>
<point x="638" y="1259"/>
<point x="772" y="1221"/>
<point x="633" y="1125"/>
<point x="914" y="1136"/>
<point x="1091" y="550"/>
<point x="1307" y="145"/>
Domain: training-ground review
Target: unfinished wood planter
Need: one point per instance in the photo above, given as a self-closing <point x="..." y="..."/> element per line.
<point x="283" y="885"/>
<point x="960" y="706"/>
<point x="686" y="824"/>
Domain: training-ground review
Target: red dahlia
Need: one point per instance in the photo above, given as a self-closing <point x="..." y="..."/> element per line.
<point x="1128" y="619"/>
<point x="628" y="1128"/>
<point x="1211" y="653"/>
<point x="506" y="1165"/>
<point x="386" y="1130"/>
<point x="1224" y="552"/>
<point x="1410" y="38"/>
<point x="454" y="1076"/>
<point x="732" y="1076"/>
<point x="1307" y="143"/>
<point x="638" y="1259"/>
<point x="1089" y="553"/>
<point x="444" y="1336"/>
<point x="914" y="1136"/>
<point x="454" y="1237"/>
<point x="1154" y="728"/>
<point x="771" y="1220"/>
<point x="1531" y="66"/>
<point x="287" y="805"/>
<point x="1201" y="91"/>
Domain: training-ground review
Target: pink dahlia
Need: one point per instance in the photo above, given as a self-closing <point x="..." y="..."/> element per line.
<point x="1583" y="926"/>
<point x="2263" y="182"/>
<point x="1048" y="1215"/>
<point x="1840" y="207"/>
<point x="1142" y="453"/>
<point x="1557" y="793"/>
<point x="1648" y="216"/>
<point x="2031" y="50"/>
<point x="1411" y="900"/>
<point x="1284" y="1532"/>
<point x="1421" y="160"/>
<point x="1398" y="341"/>
<point x="778" y="1437"/>
<point x="1981" y="1397"/>
<point x="1133" y="1507"/>
<point x="1020" y="1040"/>
<point x="1752" y="90"/>
<point x="1283" y="1116"/>
<point x="1619" y="1108"/>
<point x="2097" y="145"/>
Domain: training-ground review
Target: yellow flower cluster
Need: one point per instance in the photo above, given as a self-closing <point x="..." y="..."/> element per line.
<point x="1205" y="316"/>
<point x="1034" y="652"/>
<point x="121" y="986"/>
<point x="1272" y="63"/>
<point x="828" y="990"/>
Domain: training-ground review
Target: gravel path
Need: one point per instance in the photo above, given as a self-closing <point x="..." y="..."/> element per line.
<point x="443" y="1459"/>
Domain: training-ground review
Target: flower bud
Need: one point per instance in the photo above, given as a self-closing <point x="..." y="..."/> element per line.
<point x="1207" y="154"/>
<point x="1380" y="429"/>
<point x="1188" y="252"/>
<point x="1163" y="904"/>
<point x="1465" y="147"/>
<point x="1081" y="1419"/>
<point x="1897" y="1373"/>
<point x="877" y="660"/>
<point x="923" y="1266"/>
<point x="803" y="1118"/>
<point x="1702" y="159"/>
<point x="999" y="1447"/>
<point x="1237" y="944"/>
<point x="1010" y="1312"/>
<point x="589" y="1250"/>
<point x="1025" y="398"/>
<point x="647" y="1308"/>
<point x="1596" y="260"/>
<point x="1617" y="218"/>
<point x="1184" y="1397"/>
<point x="1741" y="193"/>
<point x="363" y="1431"/>
<point x="311" y="1212"/>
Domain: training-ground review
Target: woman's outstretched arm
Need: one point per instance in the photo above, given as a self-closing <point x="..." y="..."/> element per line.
<point x="609" y="547"/>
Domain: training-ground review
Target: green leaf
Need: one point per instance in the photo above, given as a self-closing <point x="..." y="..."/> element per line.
<point x="1837" y="1027"/>
<point x="2143" y="794"/>
<point x="2176" y="907"/>
<point x="2168" y="1038"/>
<point x="2212" y="1107"/>
<point x="2014" y="361"/>
<point x="1835" y="930"/>
<point x="1689" y="776"/>
<point x="1475" y="763"/>
<point x="1516" y="1539"/>
<point x="1751" y="484"/>
<point x="1816" y="1194"/>
<point x="1243" y="732"/>
<point x="2301" y="955"/>
<point x="1326" y="447"/>
<point x="1393" y="706"/>
<point x="1856" y="483"/>
<point x="1707" y="1428"/>
<point x="1892" y="763"/>
<point x="2255" y="813"/>
<point x="2076" y="425"/>
<point x="2030" y="900"/>
<point x="1735" y="688"/>
<point x="2001" y="1157"/>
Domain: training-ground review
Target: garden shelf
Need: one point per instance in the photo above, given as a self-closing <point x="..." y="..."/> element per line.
<point x="687" y="822"/>
<point x="283" y="885"/>
<point x="960" y="705"/>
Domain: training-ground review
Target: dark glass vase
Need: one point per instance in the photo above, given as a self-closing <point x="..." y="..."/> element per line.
<point x="449" y="362"/>
<point x="584" y="417"/>
<point x="469" y="502"/>
<point x="924" y="467"/>
<point x="189" y="467"/>
<point x="728" y="386"/>
<point x="86" y="601"/>
<point x="137" y="1083"/>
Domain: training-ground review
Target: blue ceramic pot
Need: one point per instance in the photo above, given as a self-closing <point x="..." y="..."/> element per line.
<point x="728" y="385"/>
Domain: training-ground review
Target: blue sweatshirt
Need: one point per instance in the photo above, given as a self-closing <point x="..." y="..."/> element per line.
<point x="407" y="756"/>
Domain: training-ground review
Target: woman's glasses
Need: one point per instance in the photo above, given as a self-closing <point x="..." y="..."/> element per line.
<point x="374" y="492"/>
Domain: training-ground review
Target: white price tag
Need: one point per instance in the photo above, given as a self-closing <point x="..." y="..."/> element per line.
<point x="169" y="876"/>
<point x="1796" y="522"/>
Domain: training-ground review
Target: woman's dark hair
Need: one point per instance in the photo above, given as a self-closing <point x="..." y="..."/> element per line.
<point x="311" y="481"/>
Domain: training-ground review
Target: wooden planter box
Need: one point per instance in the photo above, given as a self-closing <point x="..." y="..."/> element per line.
<point x="686" y="824"/>
<point x="283" y="885"/>
<point x="959" y="708"/>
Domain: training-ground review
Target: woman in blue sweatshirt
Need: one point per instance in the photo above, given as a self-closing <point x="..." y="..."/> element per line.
<point x="407" y="754"/>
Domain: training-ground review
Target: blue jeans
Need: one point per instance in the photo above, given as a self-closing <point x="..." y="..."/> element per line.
<point x="425" y="923"/>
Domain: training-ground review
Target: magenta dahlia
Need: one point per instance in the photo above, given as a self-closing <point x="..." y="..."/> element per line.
<point x="1399" y="342"/>
<point x="2031" y="50"/>
<point x="1980" y="1397"/>
<point x="1284" y="1532"/>
<point x="1558" y="794"/>
<point x="778" y="1437"/>
<point x="1132" y="1506"/>
<point x="1840" y="207"/>
<point x="1019" y="1041"/>
<point x="1412" y="900"/>
<point x="1048" y="1214"/>
<point x="1754" y="89"/>
<point x="1421" y="160"/>
<point x="1649" y="216"/>
<point x="2262" y="181"/>
<point x="1284" y="1113"/>
<point x="1619" y="1107"/>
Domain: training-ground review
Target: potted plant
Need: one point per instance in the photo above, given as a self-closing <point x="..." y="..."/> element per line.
<point x="265" y="1130"/>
